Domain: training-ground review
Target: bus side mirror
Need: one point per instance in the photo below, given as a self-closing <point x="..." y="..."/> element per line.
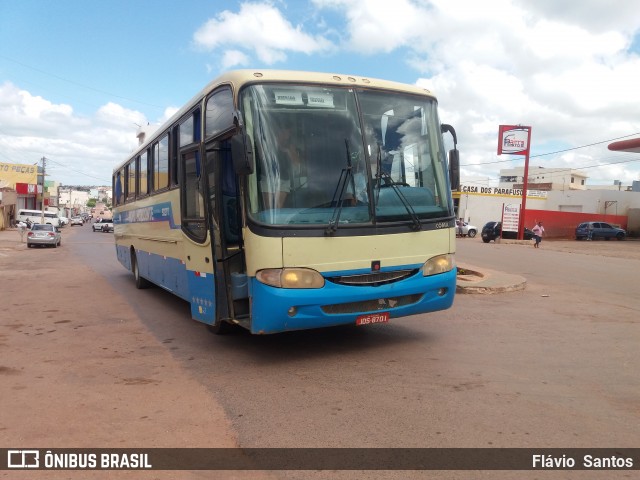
<point x="454" y="169"/>
<point x="242" y="154"/>
<point x="241" y="151"/>
<point x="454" y="157"/>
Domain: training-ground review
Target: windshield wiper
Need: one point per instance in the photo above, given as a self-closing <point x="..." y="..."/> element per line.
<point x="380" y="175"/>
<point x="346" y="175"/>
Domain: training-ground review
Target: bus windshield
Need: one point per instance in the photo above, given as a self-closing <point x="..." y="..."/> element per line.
<point x="330" y="155"/>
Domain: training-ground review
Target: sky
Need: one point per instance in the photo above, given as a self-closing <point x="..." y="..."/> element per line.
<point x="78" y="77"/>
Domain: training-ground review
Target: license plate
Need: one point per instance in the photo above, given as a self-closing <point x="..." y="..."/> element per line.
<point x="372" y="318"/>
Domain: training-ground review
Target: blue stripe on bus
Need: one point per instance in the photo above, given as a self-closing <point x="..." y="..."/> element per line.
<point x="161" y="212"/>
<point x="270" y="305"/>
<point x="171" y="274"/>
<point x="203" y="302"/>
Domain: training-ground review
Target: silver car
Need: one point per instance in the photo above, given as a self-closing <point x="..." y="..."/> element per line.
<point x="44" y="234"/>
<point x="464" y="229"/>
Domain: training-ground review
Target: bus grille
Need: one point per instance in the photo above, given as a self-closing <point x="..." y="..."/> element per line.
<point x="373" y="279"/>
<point x="372" y="305"/>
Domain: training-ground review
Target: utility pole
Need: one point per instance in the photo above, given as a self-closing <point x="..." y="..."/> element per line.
<point x="44" y="171"/>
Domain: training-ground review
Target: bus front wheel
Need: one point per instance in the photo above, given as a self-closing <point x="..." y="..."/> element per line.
<point x="220" y="327"/>
<point x="141" y="283"/>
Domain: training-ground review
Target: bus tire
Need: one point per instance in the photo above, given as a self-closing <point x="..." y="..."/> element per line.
<point x="141" y="283"/>
<point x="220" y="327"/>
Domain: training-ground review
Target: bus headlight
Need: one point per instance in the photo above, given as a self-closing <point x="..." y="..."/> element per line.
<point x="440" y="264"/>
<point x="290" y="278"/>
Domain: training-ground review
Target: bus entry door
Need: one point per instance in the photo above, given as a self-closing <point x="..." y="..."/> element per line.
<point x="198" y="257"/>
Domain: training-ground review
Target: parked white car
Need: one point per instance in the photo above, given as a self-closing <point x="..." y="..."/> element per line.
<point x="466" y="230"/>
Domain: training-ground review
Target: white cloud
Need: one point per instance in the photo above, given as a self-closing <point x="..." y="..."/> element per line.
<point x="261" y="29"/>
<point x="564" y="68"/>
<point x="82" y="148"/>
<point x="380" y="25"/>
<point x="593" y="15"/>
<point x="22" y="113"/>
<point x="233" y="58"/>
<point x="502" y="63"/>
<point x="114" y="114"/>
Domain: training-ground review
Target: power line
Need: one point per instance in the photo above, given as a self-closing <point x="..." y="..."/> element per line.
<point x="52" y="161"/>
<point x="559" y="174"/>
<point x="77" y="171"/>
<point x="81" y="85"/>
<point x="553" y="153"/>
<point x="584" y="146"/>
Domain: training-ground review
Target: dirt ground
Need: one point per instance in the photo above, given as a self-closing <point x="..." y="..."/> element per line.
<point x="629" y="248"/>
<point x="79" y="370"/>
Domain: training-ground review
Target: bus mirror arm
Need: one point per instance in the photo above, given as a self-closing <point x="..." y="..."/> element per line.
<point x="444" y="128"/>
<point x="242" y="153"/>
<point x="454" y="158"/>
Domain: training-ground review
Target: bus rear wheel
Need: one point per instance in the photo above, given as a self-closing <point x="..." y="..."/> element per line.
<point x="141" y="283"/>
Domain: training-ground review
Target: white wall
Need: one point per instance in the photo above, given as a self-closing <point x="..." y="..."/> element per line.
<point x="479" y="208"/>
<point x="595" y="201"/>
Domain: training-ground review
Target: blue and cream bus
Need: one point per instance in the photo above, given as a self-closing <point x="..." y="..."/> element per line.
<point x="279" y="200"/>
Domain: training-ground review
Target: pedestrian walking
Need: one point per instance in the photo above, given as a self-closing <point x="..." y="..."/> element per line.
<point x="590" y="231"/>
<point x="538" y="231"/>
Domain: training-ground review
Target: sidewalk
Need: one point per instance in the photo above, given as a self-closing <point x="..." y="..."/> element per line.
<point x="81" y="369"/>
<point x="473" y="279"/>
<point x="10" y="240"/>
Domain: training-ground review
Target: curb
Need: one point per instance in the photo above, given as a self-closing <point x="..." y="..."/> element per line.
<point x="474" y="280"/>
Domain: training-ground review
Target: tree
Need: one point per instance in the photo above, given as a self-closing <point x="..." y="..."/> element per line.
<point x="91" y="203"/>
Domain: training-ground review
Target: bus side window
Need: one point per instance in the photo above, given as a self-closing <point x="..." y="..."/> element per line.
<point x="219" y="114"/>
<point x="226" y="192"/>
<point x="219" y="121"/>
<point x="193" y="216"/>
<point x="173" y="162"/>
<point x="161" y="164"/>
<point x="130" y="170"/>
<point x="229" y="196"/>
<point x="143" y="174"/>
<point x="119" y="193"/>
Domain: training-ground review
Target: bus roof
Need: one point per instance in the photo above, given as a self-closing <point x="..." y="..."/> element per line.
<point x="239" y="78"/>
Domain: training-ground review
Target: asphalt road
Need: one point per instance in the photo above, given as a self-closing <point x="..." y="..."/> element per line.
<point x="555" y="365"/>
